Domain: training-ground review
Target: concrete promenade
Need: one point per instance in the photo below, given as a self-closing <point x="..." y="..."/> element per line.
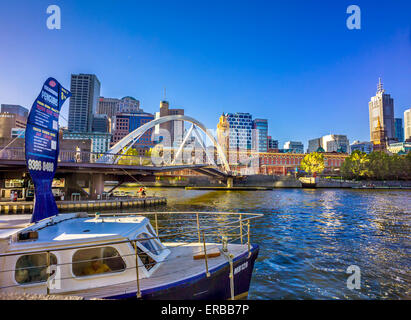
<point x="85" y="205"/>
<point x="273" y="182"/>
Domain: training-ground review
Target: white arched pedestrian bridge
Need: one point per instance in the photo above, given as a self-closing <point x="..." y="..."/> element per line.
<point x="121" y="147"/>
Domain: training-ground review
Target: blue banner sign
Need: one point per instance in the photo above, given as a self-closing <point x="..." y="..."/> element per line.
<point x="42" y="146"/>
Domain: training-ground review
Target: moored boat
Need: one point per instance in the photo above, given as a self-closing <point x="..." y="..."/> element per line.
<point x="194" y="256"/>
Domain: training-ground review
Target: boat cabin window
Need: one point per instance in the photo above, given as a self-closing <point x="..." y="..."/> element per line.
<point x="148" y="261"/>
<point x="151" y="230"/>
<point x="33" y="268"/>
<point x="149" y="244"/>
<point x="93" y="261"/>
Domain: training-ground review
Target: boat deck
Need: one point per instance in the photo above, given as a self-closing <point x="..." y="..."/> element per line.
<point x="178" y="266"/>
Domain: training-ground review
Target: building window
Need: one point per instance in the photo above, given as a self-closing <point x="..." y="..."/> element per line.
<point x="33" y="268"/>
<point x="94" y="261"/>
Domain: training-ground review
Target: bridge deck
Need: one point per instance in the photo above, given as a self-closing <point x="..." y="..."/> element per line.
<point x="89" y="167"/>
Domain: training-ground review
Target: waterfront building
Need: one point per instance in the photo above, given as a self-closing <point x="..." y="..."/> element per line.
<point x="276" y="163"/>
<point x="407" y="125"/>
<point x="174" y="128"/>
<point x="101" y="123"/>
<point x="381" y="108"/>
<point x="85" y="90"/>
<point x="364" y="146"/>
<point x="241" y="127"/>
<point x="100" y="141"/>
<point x="399" y="129"/>
<point x="12" y="117"/>
<point x="108" y="106"/>
<point x="126" y="123"/>
<point x="294" y="146"/>
<point x="260" y="137"/>
<point x="399" y="147"/>
<point x="329" y="143"/>
<point x="272" y="144"/>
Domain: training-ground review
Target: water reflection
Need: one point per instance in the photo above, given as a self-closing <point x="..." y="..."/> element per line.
<point x="308" y="238"/>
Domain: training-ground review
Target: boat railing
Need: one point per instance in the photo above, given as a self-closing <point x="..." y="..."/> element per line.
<point x="209" y="229"/>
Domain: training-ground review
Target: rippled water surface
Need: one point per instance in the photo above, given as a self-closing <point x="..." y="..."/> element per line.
<point x="308" y="238"/>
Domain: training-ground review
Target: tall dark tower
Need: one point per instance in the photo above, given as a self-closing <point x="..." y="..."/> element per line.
<point x="381" y="109"/>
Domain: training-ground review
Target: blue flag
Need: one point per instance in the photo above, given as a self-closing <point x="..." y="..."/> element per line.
<point x="42" y="146"/>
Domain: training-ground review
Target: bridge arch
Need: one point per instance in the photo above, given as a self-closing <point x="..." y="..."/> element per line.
<point x="132" y="137"/>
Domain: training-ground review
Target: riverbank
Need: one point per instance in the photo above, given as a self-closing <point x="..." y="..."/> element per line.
<point x="86" y="205"/>
<point x="266" y="181"/>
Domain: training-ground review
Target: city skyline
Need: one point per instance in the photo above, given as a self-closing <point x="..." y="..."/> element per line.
<point x="317" y="92"/>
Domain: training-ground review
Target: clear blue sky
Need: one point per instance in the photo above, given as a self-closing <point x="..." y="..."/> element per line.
<point x="292" y="62"/>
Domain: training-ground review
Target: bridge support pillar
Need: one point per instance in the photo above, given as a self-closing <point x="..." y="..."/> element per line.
<point x="97" y="186"/>
<point x="229" y="182"/>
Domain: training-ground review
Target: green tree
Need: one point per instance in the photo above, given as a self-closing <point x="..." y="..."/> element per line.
<point x="313" y="163"/>
<point x="379" y="166"/>
<point x="130" y="158"/>
<point x="396" y="167"/>
<point x="356" y="165"/>
<point x="407" y="166"/>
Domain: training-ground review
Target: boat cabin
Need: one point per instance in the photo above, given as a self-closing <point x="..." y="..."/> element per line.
<point x="79" y="252"/>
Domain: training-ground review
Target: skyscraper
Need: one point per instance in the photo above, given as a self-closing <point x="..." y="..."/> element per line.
<point x="101" y="123"/>
<point x="128" y="122"/>
<point x="407" y="124"/>
<point x="113" y="106"/>
<point x="241" y="127"/>
<point x="108" y="106"/>
<point x="85" y="90"/>
<point x="260" y="127"/>
<point x="381" y="107"/>
<point x="399" y="130"/>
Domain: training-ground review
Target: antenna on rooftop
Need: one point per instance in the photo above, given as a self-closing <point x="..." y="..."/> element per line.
<point x="379" y="87"/>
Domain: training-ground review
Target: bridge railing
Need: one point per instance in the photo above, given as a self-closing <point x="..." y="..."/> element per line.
<point x="75" y="156"/>
<point x="12" y="153"/>
<point x="68" y="156"/>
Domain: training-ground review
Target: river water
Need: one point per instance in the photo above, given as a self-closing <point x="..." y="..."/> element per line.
<point x="309" y="237"/>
